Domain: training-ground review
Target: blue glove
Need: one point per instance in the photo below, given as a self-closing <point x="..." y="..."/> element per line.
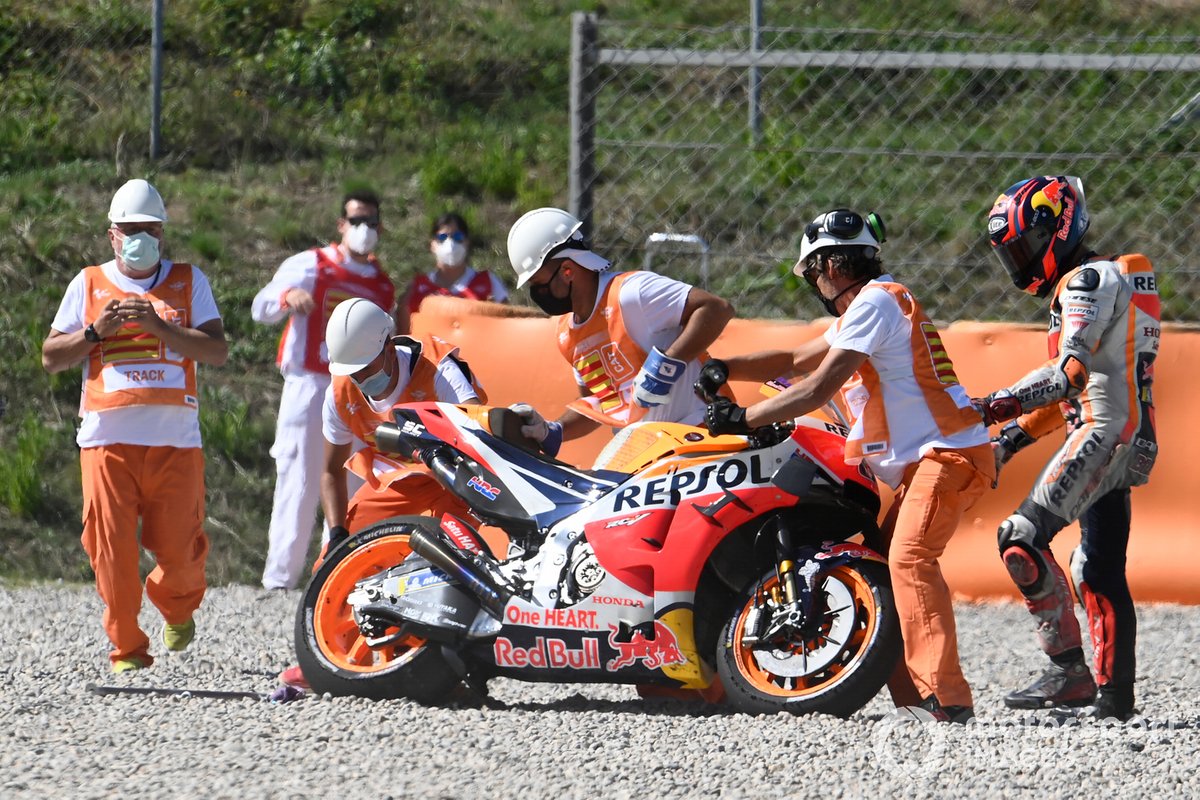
<point x="657" y="377"/>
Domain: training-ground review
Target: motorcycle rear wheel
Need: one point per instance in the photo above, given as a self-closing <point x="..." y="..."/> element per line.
<point x="333" y="652"/>
<point x="838" y="670"/>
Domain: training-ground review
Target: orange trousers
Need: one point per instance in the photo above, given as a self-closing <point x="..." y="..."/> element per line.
<point x="935" y="493"/>
<point x="164" y="488"/>
<point x="417" y="494"/>
<point x="414" y="495"/>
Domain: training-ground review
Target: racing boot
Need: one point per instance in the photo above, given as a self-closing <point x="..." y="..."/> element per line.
<point x="1112" y="702"/>
<point x="1060" y="685"/>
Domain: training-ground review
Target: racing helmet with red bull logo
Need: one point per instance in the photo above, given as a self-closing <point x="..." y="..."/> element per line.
<point x="1036" y="227"/>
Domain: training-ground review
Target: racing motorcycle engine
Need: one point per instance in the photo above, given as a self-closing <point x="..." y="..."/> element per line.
<point x="584" y="574"/>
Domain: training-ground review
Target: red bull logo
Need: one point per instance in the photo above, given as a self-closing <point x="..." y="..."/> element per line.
<point x="547" y="654"/>
<point x="654" y="653"/>
<point x="1049" y="196"/>
<point x="848" y="549"/>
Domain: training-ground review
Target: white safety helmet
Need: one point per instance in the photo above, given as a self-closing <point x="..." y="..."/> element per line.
<point x="357" y="332"/>
<point x="535" y="235"/>
<point x="839" y="228"/>
<point x="137" y="201"/>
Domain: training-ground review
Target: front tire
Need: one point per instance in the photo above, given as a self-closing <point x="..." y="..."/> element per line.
<point x="333" y="652"/>
<point x="835" y="671"/>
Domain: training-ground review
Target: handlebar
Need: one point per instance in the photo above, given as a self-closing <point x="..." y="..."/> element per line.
<point x="714" y="375"/>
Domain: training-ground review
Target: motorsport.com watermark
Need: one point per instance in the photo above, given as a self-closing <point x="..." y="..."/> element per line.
<point x="922" y="750"/>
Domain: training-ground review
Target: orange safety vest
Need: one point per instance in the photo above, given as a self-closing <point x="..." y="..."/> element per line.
<point x="132" y="367"/>
<point x="606" y="358"/>
<point x="375" y="468"/>
<point x="478" y="288"/>
<point x="334" y="283"/>
<point x="933" y="372"/>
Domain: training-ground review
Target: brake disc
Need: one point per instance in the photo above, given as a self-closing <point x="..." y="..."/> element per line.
<point x="838" y="623"/>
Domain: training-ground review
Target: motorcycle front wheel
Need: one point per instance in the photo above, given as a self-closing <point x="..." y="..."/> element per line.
<point x="334" y="653"/>
<point x="835" y="667"/>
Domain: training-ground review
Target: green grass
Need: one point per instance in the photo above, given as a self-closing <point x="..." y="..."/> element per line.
<point x="273" y="109"/>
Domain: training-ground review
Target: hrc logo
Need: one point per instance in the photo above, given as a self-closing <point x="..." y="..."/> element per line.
<point x="484" y="488"/>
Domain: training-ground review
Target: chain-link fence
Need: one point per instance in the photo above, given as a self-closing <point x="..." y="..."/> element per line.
<point x="84" y="69"/>
<point x="241" y="81"/>
<point x="730" y="140"/>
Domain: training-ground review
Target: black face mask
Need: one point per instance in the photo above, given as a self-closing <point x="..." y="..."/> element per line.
<point x="547" y="301"/>
<point x="831" y="303"/>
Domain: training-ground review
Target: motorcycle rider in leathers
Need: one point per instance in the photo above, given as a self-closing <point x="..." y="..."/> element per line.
<point x="1103" y="339"/>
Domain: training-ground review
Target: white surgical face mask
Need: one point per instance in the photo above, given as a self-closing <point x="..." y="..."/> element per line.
<point x="140" y="251"/>
<point x="451" y="253"/>
<point x="362" y="238"/>
<point x="375" y="385"/>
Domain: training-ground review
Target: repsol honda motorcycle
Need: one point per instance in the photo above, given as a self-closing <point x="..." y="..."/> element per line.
<point x="728" y="565"/>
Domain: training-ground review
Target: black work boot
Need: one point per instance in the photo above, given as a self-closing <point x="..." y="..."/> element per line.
<point x="957" y="714"/>
<point x="1069" y="685"/>
<point x="1112" y="702"/>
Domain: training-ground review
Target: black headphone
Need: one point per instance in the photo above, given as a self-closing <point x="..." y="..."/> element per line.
<point x="842" y="223"/>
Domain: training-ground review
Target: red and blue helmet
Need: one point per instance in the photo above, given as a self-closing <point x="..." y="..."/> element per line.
<point x="1036" y="228"/>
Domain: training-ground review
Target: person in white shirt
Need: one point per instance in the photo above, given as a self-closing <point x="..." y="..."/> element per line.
<point x="634" y="340"/>
<point x="140" y="324"/>
<point x="303" y="292"/>
<point x="374" y="371"/>
<point x="913" y="424"/>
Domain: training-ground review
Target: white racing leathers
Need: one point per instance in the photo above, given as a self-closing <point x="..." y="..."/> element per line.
<point x="1104" y="337"/>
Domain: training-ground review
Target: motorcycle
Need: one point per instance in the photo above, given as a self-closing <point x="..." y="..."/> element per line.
<point x="737" y="567"/>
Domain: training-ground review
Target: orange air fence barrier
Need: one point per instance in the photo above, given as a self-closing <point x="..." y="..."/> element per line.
<point x="517" y="360"/>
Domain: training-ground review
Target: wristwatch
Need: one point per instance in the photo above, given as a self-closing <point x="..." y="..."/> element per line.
<point x="91" y="335"/>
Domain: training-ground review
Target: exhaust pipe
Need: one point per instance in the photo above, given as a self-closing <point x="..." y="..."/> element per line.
<point x="450" y="561"/>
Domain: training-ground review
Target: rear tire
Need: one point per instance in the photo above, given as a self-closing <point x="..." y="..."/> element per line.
<point x="835" y="672"/>
<point x="331" y="649"/>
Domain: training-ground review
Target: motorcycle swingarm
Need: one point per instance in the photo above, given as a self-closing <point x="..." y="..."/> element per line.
<point x="421" y="599"/>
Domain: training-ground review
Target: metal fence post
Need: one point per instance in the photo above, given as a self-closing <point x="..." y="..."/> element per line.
<point x="156" y="45"/>
<point x="582" y="163"/>
<point x="752" y="75"/>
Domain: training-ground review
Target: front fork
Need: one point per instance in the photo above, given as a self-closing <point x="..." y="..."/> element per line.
<point x="792" y="596"/>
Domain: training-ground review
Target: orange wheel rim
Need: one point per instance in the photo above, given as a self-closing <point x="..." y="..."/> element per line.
<point x="851" y="652"/>
<point x="338" y="635"/>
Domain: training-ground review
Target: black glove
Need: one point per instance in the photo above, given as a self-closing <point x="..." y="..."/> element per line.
<point x="1011" y="440"/>
<point x="337" y="535"/>
<point x="713" y="376"/>
<point x="725" y="416"/>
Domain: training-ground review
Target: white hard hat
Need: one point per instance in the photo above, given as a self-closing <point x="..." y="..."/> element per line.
<point x="839" y="228"/>
<point x="535" y="235"/>
<point x="357" y="332"/>
<point x="137" y="201"/>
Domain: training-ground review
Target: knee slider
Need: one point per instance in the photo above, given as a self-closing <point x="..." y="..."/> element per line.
<point x="1020" y="549"/>
<point x="1021" y="565"/>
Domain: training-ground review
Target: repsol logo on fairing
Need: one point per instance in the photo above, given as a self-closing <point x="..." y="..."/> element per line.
<point x="670" y="489"/>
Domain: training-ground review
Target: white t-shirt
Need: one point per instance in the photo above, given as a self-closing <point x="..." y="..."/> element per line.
<point x="449" y="384"/>
<point x="298" y="272"/>
<point x="156" y="426"/>
<point x="875" y="325"/>
<point x="652" y="309"/>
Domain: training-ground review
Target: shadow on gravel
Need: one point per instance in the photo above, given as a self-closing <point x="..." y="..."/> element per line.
<point x="658" y="707"/>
